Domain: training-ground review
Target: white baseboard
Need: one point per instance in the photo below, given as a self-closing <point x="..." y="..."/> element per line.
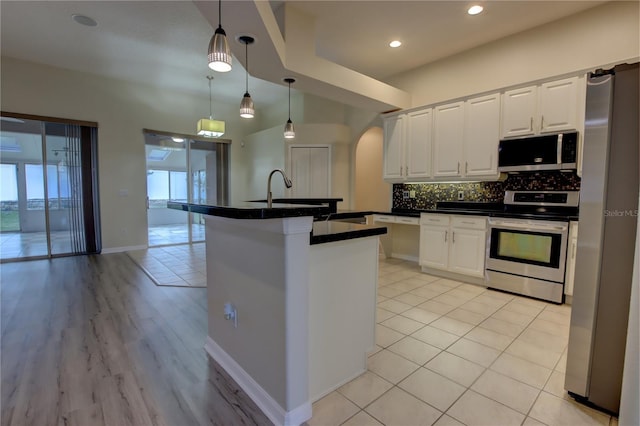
<point x="263" y="400"/>
<point x="315" y="398"/>
<point x="122" y="249"/>
<point x="404" y="257"/>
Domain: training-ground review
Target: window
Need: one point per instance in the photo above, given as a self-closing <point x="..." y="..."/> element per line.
<point x="200" y="186"/>
<point x="165" y="185"/>
<point x="58" y="187"/>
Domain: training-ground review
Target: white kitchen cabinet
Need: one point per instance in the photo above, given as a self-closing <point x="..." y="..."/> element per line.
<point x="407" y="146"/>
<point x="434" y="241"/>
<point x="453" y="243"/>
<point x="518" y="110"/>
<point x="571" y="259"/>
<point x="394" y="147"/>
<point x="546" y="108"/>
<point x="468" y="242"/>
<point x="419" y="132"/>
<point x="558" y="105"/>
<point x="481" y="136"/>
<point x="448" y="139"/>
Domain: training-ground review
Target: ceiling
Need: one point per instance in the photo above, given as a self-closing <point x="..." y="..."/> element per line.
<point x="164" y="43"/>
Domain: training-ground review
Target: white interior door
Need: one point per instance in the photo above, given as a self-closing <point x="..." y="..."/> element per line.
<point x="310" y="170"/>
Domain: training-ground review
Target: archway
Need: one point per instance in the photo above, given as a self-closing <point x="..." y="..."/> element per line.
<point x="370" y="190"/>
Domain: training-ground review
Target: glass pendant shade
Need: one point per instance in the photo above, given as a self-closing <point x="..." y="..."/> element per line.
<point x="220" y="58"/>
<point x="289" y="131"/>
<point x="210" y="128"/>
<point x="246" y="106"/>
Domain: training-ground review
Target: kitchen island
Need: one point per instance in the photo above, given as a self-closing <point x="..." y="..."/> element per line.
<point x="291" y="301"/>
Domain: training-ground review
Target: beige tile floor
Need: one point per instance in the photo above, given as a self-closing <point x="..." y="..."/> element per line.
<point x="174" y="234"/>
<point x="176" y="266"/>
<point x="450" y="353"/>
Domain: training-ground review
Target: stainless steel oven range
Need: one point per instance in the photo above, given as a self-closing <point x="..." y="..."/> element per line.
<point x="527" y="249"/>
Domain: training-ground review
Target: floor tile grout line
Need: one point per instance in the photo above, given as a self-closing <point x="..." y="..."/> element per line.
<point x="525" y="327"/>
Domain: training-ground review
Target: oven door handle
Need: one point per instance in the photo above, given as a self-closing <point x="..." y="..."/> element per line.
<point x="528" y="227"/>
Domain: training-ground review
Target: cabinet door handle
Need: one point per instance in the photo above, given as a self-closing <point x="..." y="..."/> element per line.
<point x="542" y="123"/>
<point x="453" y="236"/>
<point x="458" y="167"/>
<point x="573" y="252"/>
<point x="468" y="223"/>
<point x="466" y="167"/>
<point x="406" y="169"/>
<point x="531" y="124"/>
<point x="445" y="235"/>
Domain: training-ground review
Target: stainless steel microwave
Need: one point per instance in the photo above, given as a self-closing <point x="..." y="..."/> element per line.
<point x="545" y="152"/>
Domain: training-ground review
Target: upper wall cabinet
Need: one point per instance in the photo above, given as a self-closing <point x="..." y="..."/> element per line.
<point x="394" y="132"/>
<point x="466" y="138"/>
<point x="448" y="139"/>
<point x="546" y="108"/>
<point x="481" y="135"/>
<point x="407" y="146"/>
<point x="418" y="143"/>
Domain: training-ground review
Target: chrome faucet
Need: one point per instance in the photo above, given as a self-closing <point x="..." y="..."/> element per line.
<point x="287" y="183"/>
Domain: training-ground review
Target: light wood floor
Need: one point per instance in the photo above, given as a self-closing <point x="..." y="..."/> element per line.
<point x="90" y="340"/>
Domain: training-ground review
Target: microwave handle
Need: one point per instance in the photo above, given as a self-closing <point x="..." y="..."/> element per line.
<point x="559" y="149"/>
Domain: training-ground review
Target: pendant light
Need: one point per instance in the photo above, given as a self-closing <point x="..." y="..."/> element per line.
<point x="219" y="52"/>
<point x="246" y="105"/>
<point x="289" y="131"/>
<point x="210" y="128"/>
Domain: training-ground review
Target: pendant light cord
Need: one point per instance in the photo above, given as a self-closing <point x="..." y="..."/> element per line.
<point x="210" y="108"/>
<point x="246" y="60"/>
<point x="219" y="13"/>
<point x="289" y="100"/>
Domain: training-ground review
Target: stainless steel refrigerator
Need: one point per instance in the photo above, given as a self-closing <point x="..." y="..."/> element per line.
<point x="606" y="238"/>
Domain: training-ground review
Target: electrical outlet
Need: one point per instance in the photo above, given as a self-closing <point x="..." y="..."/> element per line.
<point x="460" y="195"/>
<point x="405" y="195"/>
<point x="412" y="194"/>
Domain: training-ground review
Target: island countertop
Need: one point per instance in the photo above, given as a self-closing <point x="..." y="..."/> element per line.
<point x="330" y="231"/>
<point x="322" y="231"/>
<point x="253" y="210"/>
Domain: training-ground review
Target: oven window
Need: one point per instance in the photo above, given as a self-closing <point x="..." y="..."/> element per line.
<point x="528" y="247"/>
<point x="525" y="246"/>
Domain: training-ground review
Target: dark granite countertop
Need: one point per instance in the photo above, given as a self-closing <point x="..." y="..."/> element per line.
<point x="322" y="231"/>
<point x="331" y="202"/>
<point x="330" y="231"/>
<point x="250" y="210"/>
<point x="492" y="210"/>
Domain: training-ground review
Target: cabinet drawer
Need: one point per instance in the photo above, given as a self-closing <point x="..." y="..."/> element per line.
<point x="469" y="222"/>
<point x="408" y="220"/>
<point x="384" y="218"/>
<point x="434" y="219"/>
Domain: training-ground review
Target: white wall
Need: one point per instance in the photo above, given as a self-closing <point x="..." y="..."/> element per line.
<point x="267" y="150"/>
<point x="263" y="151"/>
<point x="600" y="36"/>
<point x="371" y="191"/>
<point x="121" y="110"/>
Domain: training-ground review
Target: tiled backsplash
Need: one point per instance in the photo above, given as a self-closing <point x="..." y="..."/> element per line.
<point x="428" y="194"/>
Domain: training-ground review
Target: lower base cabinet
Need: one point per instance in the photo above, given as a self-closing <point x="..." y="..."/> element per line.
<point x="453" y="243"/>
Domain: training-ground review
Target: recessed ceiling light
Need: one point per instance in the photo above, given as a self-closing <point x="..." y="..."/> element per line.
<point x="84" y="20"/>
<point x="395" y="43"/>
<point x="474" y="10"/>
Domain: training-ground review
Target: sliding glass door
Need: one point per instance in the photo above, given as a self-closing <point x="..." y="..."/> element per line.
<point x="182" y="169"/>
<point x="49" y="189"/>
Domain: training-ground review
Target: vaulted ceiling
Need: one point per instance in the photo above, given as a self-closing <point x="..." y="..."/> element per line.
<point x="338" y="49"/>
